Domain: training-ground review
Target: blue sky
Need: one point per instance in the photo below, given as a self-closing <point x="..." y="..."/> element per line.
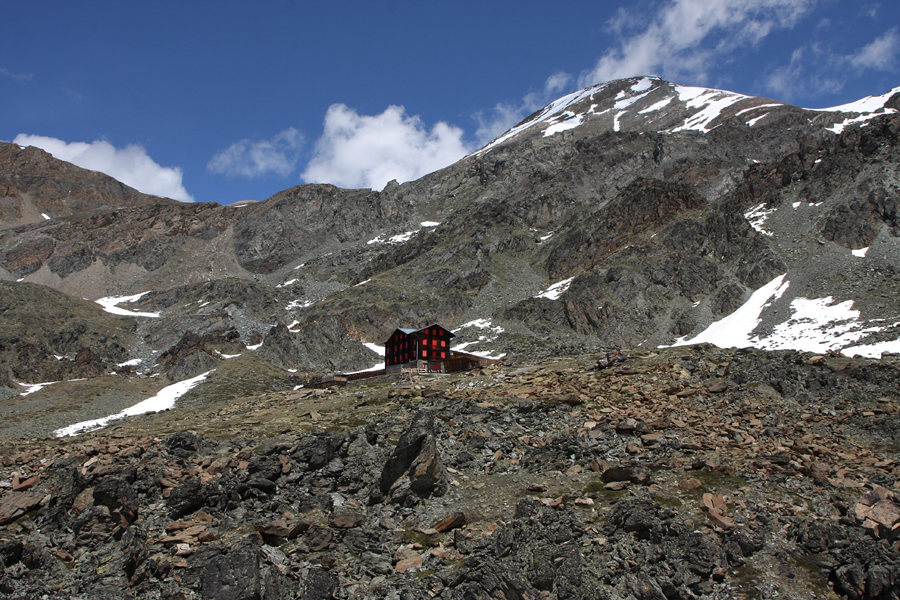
<point x="226" y="101"/>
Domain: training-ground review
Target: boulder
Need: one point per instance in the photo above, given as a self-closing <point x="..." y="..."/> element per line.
<point x="414" y="466"/>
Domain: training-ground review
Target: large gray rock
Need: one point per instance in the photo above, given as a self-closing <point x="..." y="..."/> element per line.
<point x="414" y="467"/>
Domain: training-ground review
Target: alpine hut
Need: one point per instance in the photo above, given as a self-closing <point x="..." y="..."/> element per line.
<point x="426" y="349"/>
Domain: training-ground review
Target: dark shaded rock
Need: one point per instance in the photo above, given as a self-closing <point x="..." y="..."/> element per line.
<point x="317" y="450"/>
<point x="265" y="467"/>
<point x="263" y="485"/>
<point x="643" y="518"/>
<point x="183" y="443"/>
<point x="119" y="565"/>
<point x="233" y="575"/>
<point x="414" y="465"/>
<point x="185" y="498"/>
<point x="119" y="497"/>
<point x="10" y="552"/>
<point x="727" y="300"/>
<point x="320" y="585"/>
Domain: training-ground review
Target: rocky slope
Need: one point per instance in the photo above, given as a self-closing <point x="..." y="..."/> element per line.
<point x="35" y="187"/>
<point x="682" y="473"/>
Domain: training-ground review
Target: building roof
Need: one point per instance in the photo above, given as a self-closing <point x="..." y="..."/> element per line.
<point x="409" y="331"/>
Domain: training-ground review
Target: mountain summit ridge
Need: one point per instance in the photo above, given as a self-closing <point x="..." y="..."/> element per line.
<point x="650" y="104"/>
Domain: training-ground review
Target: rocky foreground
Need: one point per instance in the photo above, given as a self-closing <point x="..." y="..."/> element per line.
<point x="680" y="473"/>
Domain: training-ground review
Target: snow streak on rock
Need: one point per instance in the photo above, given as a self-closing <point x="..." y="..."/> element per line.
<point x="866" y="109"/>
<point x="710" y="104"/>
<point x="556" y="290"/>
<point x="757" y="216"/>
<point x="483" y="324"/>
<point x="110" y="305"/>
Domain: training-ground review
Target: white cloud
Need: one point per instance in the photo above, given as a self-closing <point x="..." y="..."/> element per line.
<point x="278" y="155"/>
<point x="130" y="165"/>
<point x="879" y="54"/>
<point x="17" y="76"/>
<point x="368" y="151"/>
<point x="796" y="79"/>
<point x="685" y="38"/>
<point x="815" y="68"/>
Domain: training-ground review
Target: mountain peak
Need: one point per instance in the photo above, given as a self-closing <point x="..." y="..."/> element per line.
<point x="650" y="104"/>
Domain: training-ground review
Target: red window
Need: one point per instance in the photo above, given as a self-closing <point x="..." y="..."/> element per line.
<point x="443" y="343"/>
<point x="434" y="343"/>
<point x="443" y="355"/>
<point x="424" y="353"/>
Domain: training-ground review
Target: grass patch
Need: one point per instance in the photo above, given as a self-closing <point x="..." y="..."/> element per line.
<point x="715" y="480"/>
<point x="598" y="491"/>
<point x="746" y="578"/>
<point x="667" y="501"/>
<point x="813" y="571"/>
<point x="423" y="539"/>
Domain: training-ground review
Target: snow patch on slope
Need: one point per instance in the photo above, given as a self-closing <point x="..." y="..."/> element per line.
<point x="816" y="325"/>
<point x="110" y="305"/>
<point x="556" y="290"/>
<point x="866" y="109"/>
<point x="492" y="332"/>
<point x="710" y="102"/>
<point x="735" y="329"/>
<point x="552" y="112"/>
<point x="164" y="399"/>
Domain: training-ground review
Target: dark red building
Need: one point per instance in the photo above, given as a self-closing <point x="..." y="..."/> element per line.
<point x="421" y="349"/>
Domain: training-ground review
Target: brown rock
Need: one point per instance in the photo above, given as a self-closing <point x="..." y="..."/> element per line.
<point x="690" y="484"/>
<point x="27" y="484"/>
<point x="720" y="521"/>
<point x="405" y="564"/>
<point x="713" y="502"/>
<point x="283" y="528"/>
<point x="454" y="521"/>
<point x="346" y="520"/>
<point x="206" y="536"/>
<point x="884" y="512"/>
<point x="629" y="474"/>
<point x="83" y="500"/>
<point x="16" y="504"/>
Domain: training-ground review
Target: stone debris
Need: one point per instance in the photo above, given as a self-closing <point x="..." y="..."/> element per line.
<point x="781" y="484"/>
